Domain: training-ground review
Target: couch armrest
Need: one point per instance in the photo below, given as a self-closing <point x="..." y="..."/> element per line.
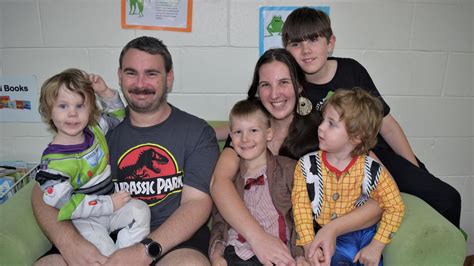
<point x="21" y="239"/>
<point x="425" y="238"/>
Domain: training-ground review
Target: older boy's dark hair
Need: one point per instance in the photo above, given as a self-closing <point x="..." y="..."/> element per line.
<point x="248" y="107"/>
<point x="149" y="45"/>
<point x="361" y="113"/>
<point x="74" y="80"/>
<point x="306" y="23"/>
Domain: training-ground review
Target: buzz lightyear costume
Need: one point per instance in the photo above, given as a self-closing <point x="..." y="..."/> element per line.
<point x="76" y="179"/>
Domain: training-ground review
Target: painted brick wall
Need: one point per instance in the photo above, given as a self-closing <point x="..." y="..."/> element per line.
<point x="420" y="54"/>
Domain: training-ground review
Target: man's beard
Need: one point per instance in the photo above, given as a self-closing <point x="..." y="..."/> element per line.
<point x="150" y="107"/>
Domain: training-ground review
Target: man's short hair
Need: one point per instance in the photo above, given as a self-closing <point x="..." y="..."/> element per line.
<point x="149" y="45"/>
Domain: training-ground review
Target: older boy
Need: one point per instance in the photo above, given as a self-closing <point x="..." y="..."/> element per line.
<point x="340" y="177"/>
<point x="308" y="36"/>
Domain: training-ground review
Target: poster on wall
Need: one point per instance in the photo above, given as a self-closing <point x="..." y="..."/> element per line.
<point x="19" y="99"/>
<point x="171" y="15"/>
<point x="271" y="19"/>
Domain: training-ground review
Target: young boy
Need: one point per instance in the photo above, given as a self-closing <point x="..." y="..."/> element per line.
<point x="74" y="173"/>
<point x="264" y="181"/>
<point x="307" y="34"/>
<point x="340" y="177"/>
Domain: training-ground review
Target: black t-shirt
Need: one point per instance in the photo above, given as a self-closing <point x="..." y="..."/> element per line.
<point x="349" y="74"/>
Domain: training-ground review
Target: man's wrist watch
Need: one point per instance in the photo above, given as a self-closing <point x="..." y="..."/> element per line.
<point x="152" y="248"/>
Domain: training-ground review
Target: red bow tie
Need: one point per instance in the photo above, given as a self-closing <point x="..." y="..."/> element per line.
<point x="254" y="181"/>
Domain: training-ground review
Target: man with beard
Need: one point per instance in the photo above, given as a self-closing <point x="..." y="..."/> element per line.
<point x="161" y="155"/>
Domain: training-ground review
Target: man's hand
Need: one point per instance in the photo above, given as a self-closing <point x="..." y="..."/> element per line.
<point x="99" y="86"/>
<point x="119" y="199"/>
<point x="133" y="255"/>
<point x="269" y="249"/>
<point x="370" y="254"/>
<point x="83" y="253"/>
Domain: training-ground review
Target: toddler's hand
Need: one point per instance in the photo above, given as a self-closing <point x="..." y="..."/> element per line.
<point x="119" y="199"/>
<point x="370" y="254"/>
<point x="99" y="86"/>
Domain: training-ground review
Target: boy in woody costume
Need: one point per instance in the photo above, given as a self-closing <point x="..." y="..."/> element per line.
<point x="340" y="177"/>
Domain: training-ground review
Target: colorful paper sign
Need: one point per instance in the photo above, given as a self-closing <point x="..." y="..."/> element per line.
<point x="19" y="99"/>
<point x="171" y="15"/>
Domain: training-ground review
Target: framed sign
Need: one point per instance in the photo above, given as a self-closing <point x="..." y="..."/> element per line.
<point x="271" y="19"/>
<point x="171" y="15"/>
<point x="19" y="99"/>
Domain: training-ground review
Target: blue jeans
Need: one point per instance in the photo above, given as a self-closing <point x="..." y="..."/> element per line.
<point x="349" y="244"/>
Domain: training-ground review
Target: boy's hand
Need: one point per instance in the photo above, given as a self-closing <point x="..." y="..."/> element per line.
<point x="99" y="86"/>
<point x="321" y="250"/>
<point x="314" y="254"/>
<point x="217" y="258"/>
<point x="370" y="254"/>
<point x="119" y="199"/>
<point x="301" y="261"/>
<point x="218" y="261"/>
<point x="270" y="250"/>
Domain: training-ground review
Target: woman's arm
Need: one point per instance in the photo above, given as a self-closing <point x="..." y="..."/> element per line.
<point x="267" y="247"/>
<point x="222" y="131"/>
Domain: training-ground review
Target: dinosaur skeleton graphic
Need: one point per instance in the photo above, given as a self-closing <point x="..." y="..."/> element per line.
<point x="148" y="161"/>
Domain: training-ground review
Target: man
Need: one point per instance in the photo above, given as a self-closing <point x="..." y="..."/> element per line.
<point x="161" y="155"/>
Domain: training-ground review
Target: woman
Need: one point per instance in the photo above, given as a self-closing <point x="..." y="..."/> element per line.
<point x="277" y="81"/>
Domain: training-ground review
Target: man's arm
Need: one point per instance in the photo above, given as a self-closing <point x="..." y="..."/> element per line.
<point x="73" y="247"/>
<point x="192" y="213"/>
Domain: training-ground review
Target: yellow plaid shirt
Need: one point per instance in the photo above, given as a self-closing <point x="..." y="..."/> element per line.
<point x="339" y="197"/>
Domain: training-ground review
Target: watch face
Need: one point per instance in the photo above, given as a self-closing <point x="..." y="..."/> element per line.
<point x="154" y="249"/>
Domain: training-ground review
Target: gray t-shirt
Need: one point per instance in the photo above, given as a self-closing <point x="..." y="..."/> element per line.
<point x="153" y="163"/>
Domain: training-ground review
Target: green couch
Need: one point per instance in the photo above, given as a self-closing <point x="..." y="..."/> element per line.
<point x="424" y="238"/>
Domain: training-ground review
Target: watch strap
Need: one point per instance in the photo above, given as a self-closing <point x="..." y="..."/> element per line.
<point x="148" y="242"/>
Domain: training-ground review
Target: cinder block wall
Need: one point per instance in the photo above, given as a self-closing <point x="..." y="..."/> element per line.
<point x="420" y="54"/>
